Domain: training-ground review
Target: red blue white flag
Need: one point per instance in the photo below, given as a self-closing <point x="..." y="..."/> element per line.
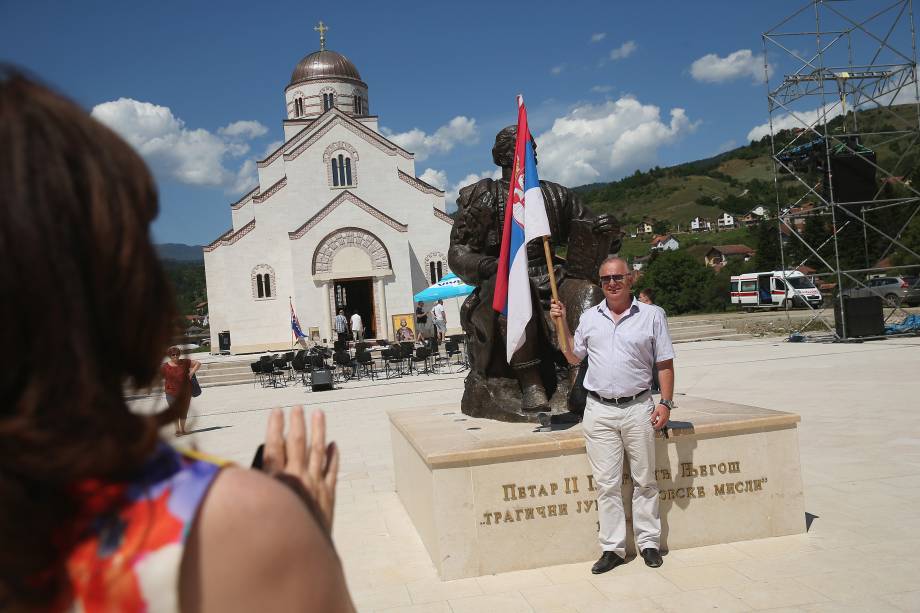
<point x="525" y="220"/>
<point x="295" y="324"/>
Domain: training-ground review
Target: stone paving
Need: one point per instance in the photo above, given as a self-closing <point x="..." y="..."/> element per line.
<point x="860" y="452"/>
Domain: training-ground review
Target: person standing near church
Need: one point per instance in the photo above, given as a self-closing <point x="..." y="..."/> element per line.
<point x="341" y="326"/>
<point x="623" y="340"/>
<point x="357" y="327"/>
<point x="440" y="320"/>
<point x="421" y="322"/>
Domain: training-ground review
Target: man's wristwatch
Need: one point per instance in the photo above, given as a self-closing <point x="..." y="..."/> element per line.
<point x="668" y="403"/>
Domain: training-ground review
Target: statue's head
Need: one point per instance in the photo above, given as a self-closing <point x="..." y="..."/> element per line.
<point x="503" y="150"/>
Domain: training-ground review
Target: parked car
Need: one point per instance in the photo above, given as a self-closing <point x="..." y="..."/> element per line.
<point x="894" y="290"/>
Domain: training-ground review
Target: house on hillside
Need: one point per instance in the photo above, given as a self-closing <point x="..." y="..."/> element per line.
<point x="665" y="243"/>
<point x="640" y="262"/>
<point x="725" y="222"/>
<point x="645" y="227"/>
<point x="797" y="215"/>
<point x="720" y="255"/>
<point x="698" y="224"/>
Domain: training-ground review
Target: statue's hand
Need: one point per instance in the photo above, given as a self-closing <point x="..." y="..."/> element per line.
<point x="487" y="268"/>
<point x="605" y="223"/>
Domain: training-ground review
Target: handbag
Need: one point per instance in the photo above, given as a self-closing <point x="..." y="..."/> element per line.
<point x="196" y="387"/>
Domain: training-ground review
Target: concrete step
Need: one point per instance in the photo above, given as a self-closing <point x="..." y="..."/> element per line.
<point x="727" y="335"/>
<point x="690" y="323"/>
<point x="208" y="379"/>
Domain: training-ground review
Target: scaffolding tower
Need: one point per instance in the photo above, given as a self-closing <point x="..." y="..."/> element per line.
<point x="844" y="124"/>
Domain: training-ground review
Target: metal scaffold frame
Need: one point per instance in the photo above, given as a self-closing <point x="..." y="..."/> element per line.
<point x="859" y="64"/>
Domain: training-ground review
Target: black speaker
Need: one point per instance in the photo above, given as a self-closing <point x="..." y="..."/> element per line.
<point x="852" y="176"/>
<point x="863" y="316"/>
<point x="223" y="341"/>
<point x="321" y="380"/>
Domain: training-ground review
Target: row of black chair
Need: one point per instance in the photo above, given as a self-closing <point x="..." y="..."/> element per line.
<point x="398" y="359"/>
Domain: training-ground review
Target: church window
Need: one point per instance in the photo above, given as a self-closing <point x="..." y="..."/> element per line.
<point x="328" y="101"/>
<point x="359" y="105"/>
<point x="298" y="107"/>
<point x="341" y="171"/>
<point x="435" y="268"/>
<point x="263" y="281"/>
<point x="341" y="160"/>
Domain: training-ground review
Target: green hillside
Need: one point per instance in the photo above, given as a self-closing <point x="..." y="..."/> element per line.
<point x="738" y="180"/>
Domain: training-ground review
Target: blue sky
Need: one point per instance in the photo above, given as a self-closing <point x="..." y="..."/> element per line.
<point x="610" y="86"/>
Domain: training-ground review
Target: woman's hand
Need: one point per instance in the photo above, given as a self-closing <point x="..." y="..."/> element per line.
<point x="311" y="469"/>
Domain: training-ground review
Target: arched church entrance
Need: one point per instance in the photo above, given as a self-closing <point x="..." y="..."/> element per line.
<point x="353" y="263"/>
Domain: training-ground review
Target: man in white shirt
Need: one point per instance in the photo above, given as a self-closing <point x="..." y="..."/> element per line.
<point x="623" y="340"/>
<point x="440" y="320"/>
<point x="357" y="327"/>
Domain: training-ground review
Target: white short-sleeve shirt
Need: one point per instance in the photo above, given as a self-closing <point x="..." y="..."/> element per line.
<point x="621" y="355"/>
<point x="356" y="322"/>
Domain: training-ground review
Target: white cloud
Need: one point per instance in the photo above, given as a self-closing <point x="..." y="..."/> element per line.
<point x="557" y="70"/>
<point x="246" y="177"/>
<point x="245" y="130"/>
<point x="270" y="148"/>
<point x="174" y="151"/>
<point x="431" y="176"/>
<point x="460" y="129"/>
<point x="624" y="50"/>
<point x="605" y="141"/>
<point x="598" y="37"/>
<point x="742" y="63"/>
<point x="439" y="179"/>
<point x="602" y="89"/>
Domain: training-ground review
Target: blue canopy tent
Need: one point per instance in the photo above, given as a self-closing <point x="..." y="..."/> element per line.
<point x="450" y="286"/>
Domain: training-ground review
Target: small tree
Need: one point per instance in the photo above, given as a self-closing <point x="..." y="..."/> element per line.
<point x="768" y="255"/>
<point x="681" y="283"/>
<point x="662" y="226"/>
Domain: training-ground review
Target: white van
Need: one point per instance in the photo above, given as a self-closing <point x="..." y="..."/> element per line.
<point x="774" y="289"/>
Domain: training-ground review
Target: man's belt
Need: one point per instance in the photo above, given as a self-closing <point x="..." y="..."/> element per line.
<point x="616" y="401"/>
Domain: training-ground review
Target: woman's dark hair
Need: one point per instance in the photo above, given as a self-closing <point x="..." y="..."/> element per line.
<point x="86" y="309"/>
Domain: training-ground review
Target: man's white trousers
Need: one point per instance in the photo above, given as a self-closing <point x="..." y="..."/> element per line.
<point x="610" y="431"/>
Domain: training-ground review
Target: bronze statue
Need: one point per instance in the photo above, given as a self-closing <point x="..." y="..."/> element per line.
<point x="531" y="383"/>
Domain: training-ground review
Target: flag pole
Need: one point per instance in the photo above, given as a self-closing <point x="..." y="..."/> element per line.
<point x="560" y="331"/>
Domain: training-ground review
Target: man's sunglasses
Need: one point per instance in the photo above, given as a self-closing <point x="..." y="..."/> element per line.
<point x="612" y="279"/>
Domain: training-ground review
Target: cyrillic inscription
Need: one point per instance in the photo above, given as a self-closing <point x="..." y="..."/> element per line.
<point x="540" y="501"/>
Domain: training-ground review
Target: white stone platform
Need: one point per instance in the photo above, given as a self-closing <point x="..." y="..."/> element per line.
<point x="860" y="466"/>
<point x="489" y="497"/>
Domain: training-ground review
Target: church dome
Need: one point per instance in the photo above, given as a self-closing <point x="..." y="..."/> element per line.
<point x="324" y="64"/>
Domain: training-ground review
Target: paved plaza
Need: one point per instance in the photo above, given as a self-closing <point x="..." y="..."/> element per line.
<point x="860" y="464"/>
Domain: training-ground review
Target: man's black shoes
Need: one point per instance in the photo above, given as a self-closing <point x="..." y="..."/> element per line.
<point x="652" y="557"/>
<point x="608" y="561"/>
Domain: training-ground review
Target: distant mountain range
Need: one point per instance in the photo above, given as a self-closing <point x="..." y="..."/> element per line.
<point x="180" y="253"/>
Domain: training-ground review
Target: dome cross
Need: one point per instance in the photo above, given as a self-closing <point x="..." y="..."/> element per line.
<point x="322" y="29"/>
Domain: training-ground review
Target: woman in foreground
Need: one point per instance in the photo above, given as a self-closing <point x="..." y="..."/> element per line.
<point x="97" y="513"/>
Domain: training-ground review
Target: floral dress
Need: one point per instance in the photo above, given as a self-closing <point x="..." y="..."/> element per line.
<point x="130" y="559"/>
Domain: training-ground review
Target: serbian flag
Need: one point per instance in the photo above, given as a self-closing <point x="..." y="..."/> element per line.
<point x="295" y="326"/>
<point x="525" y="220"/>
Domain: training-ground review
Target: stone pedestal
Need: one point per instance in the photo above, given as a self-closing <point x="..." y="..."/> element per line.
<point x="489" y="497"/>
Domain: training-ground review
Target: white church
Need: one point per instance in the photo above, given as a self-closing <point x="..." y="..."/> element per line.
<point x="338" y="221"/>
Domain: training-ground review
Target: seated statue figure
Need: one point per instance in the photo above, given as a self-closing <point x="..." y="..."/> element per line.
<point x="475" y="243"/>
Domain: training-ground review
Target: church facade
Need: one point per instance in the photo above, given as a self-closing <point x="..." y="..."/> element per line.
<point x="338" y="220"/>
